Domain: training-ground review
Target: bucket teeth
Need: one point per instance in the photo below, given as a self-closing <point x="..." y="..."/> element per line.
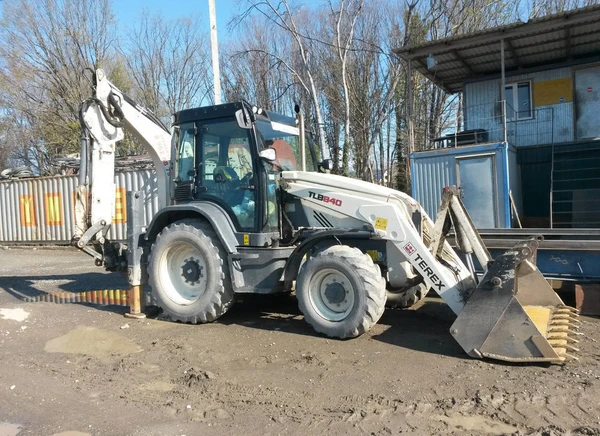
<point x="561" y="344"/>
<point x="566" y="309"/>
<point x="570" y="317"/>
<point x="563" y="355"/>
<point x="562" y="329"/>
<point x="563" y="337"/>
<point x="564" y="319"/>
<point x="565" y="322"/>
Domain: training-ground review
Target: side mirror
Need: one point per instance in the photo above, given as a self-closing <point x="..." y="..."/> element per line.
<point x="327" y="164"/>
<point x="268" y="154"/>
<point x="243" y="118"/>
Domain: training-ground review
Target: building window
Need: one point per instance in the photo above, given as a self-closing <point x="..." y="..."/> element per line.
<point x="518" y="101"/>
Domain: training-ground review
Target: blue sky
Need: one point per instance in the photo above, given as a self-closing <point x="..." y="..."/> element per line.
<point x="129" y="10"/>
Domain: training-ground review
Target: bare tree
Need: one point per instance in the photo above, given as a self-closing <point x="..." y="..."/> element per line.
<point x="168" y="61"/>
<point x="375" y="77"/>
<point x="345" y="21"/>
<point x="255" y="69"/>
<point x="45" y="45"/>
<point x="540" y="8"/>
<point x="281" y="15"/>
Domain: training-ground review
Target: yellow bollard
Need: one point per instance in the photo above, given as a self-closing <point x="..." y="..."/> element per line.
<point x="135" y="303"/>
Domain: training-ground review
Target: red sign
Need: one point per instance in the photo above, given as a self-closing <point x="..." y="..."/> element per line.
<point x="409" y="248"/>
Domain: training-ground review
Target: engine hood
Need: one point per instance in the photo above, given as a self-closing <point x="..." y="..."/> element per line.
<point x="347" y="184"/>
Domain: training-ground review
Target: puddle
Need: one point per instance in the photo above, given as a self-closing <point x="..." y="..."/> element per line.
<point x="92" y="342"/>
<point x="8" y="429"/>
<point x="477" y="423"/>
<point x="14" y="314"/>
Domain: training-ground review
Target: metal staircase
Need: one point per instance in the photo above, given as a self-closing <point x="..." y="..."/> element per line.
<point x="575" y="185"/>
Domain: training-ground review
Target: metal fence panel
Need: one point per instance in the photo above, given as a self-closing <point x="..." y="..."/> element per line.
<point x="42" y="210"/>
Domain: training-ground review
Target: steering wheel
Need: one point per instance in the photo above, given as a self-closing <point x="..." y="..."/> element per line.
<point x="245" y="181"/>
<point x="224" y="174"/>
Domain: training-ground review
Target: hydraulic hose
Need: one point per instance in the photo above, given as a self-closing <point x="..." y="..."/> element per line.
<point x="85" y="137"/>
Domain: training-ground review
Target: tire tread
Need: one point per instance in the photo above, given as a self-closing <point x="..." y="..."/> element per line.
<point x="375" y="291"/>
<point x="224" y="297"/>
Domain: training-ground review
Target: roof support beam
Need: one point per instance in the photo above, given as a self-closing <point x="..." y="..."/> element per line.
<point x="421" y="66"/>
<point x="503" y="87"/>
<point x="463" y="62"/>
<point x="568" y="54"/>
<point x="411" y="129"/>
<point x="513" y="52"/>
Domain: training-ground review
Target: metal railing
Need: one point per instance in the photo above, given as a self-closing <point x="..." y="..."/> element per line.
<point x="499" y="122"/>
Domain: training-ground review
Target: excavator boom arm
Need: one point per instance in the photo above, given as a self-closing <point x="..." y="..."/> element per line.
<point x="103" y="118"/>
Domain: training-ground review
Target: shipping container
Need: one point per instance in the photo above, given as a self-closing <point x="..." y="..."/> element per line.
<point x="42" y="210"/>
<point x="485" y="174"/>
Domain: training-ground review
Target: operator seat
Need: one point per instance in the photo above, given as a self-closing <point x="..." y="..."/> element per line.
<point x="228" y="185"/>
<point x="230" y="191"/>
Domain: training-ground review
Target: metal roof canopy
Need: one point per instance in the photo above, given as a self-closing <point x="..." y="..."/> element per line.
<point x="565" y="37"/>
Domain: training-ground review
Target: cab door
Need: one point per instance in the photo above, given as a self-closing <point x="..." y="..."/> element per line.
<point x="225" y="170"/>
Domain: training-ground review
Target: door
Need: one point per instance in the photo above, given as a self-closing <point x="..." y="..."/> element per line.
<point x="214" y="162"/>
<point x="226" y="170"/>
<point x="587" y="103"/>
<point x="476" y="180"/>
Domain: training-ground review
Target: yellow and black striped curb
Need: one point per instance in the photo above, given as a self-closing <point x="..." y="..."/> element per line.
<point x="117" y="297"/>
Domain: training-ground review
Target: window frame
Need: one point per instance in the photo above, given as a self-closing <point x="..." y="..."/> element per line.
<point x="515" y="97"/>
<point x="222" y="148"/>
<point x="181" y="135"/>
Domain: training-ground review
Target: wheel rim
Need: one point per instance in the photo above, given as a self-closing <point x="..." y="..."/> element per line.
<point x="183" y="273"/>
<point x="331" y="294"/>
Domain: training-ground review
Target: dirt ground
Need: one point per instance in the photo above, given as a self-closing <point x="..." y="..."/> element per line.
<point x="80" y="369"/>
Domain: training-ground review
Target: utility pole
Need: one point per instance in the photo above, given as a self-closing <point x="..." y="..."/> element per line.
<point x="214" y="44"/>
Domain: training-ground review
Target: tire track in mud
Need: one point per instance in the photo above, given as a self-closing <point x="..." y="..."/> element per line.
<point x="297" y="391"/>
<point x="525" y="400"/>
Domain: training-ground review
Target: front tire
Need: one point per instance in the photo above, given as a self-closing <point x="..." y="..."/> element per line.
<point x="189" y="274"/>
<point x="341" y="292"/>
<point x="407" y="298"/>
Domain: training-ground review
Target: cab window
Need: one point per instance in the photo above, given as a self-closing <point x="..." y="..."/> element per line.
<point x="225" y="170"/>
<point x="185" y="155"/>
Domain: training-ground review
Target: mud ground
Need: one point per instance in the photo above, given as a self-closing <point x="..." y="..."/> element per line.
<point x="77" y="369"/>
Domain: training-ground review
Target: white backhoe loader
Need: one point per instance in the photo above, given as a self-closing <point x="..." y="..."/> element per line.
<point x="239" y="215"/>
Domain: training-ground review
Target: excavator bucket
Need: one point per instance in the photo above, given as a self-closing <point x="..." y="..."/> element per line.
<point x="514" y="315"/>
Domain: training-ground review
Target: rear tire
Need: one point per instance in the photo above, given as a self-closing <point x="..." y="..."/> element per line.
<point x="407" y="298"/>
<point x="341" y="292"/>
<point x="189" y="274"/>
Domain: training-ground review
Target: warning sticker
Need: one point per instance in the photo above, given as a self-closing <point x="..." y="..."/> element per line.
<point x="246" y="239"/>
<point x="381" y="223"/>
<point x="410" y="249"/>
<point x="374" y="254"/>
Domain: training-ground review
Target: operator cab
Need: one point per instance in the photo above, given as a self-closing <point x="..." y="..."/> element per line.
<point x="221" y="155"/>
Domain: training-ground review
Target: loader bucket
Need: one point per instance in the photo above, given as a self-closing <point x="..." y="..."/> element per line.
<point x="514" y="315"/>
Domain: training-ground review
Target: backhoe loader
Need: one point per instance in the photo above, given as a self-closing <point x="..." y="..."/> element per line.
<point x="241" y="212"/>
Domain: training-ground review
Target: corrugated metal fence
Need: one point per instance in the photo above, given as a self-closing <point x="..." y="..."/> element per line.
<point x="42" y="210"/>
